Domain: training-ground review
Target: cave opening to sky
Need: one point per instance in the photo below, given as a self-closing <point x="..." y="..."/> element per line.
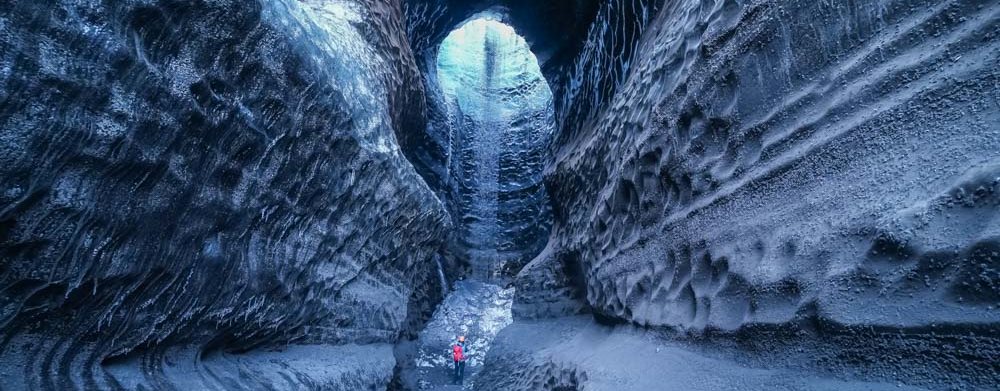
<point x="500" y="115"/>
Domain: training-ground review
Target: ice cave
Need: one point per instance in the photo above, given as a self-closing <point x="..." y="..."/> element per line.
<point x="500" y="195"/>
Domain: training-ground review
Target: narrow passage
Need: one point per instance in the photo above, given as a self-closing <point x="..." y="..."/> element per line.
<point x="500" y="118"/>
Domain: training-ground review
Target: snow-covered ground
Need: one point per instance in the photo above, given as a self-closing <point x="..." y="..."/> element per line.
<point x="477" y="310"/>
<point x="575" y="353"/>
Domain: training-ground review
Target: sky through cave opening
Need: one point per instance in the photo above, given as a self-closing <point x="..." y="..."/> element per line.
<point x="500" y="113"/>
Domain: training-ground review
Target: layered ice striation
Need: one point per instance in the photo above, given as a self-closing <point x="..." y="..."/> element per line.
<point x="499" y="111"/>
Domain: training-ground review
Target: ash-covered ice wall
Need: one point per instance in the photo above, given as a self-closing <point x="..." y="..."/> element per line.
<point x="212" y="176"/>
<point x="771" y="162"/>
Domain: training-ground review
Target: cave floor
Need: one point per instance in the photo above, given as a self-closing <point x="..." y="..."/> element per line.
<point x="577" y="353"/>
<point x="478" y="310"/>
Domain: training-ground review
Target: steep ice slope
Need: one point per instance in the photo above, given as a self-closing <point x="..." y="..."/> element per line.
<point x="818" y="168"/>
<point x="208" y="177"/>
<point x="553" y="283"/>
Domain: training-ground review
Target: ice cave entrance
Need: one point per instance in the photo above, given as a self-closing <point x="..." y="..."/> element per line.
<point x="500" y="114"/>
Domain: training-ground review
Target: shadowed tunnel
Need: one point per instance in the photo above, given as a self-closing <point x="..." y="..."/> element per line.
<point x="599" y="194"/>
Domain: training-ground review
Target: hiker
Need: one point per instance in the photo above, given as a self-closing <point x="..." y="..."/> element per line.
<point x="459" y="354"/>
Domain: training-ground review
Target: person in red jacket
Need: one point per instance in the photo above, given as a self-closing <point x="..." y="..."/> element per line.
<point x="459" y="354"/>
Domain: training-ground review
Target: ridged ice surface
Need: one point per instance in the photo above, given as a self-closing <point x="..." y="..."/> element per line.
<point x="179" y="180"/>
<point x="803" y="164"/>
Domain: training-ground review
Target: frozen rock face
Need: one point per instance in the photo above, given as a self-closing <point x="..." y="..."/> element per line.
<point x="551" y="285"/>
<point x="764" y="157"/>
<point x="499" y="111"/>
<point x="222" y="175"/>
<point x="824" y="166"/>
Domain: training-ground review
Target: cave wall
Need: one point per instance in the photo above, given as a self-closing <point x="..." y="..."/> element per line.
<point x="769" y="162"/>
<point x="214" y="176"/>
